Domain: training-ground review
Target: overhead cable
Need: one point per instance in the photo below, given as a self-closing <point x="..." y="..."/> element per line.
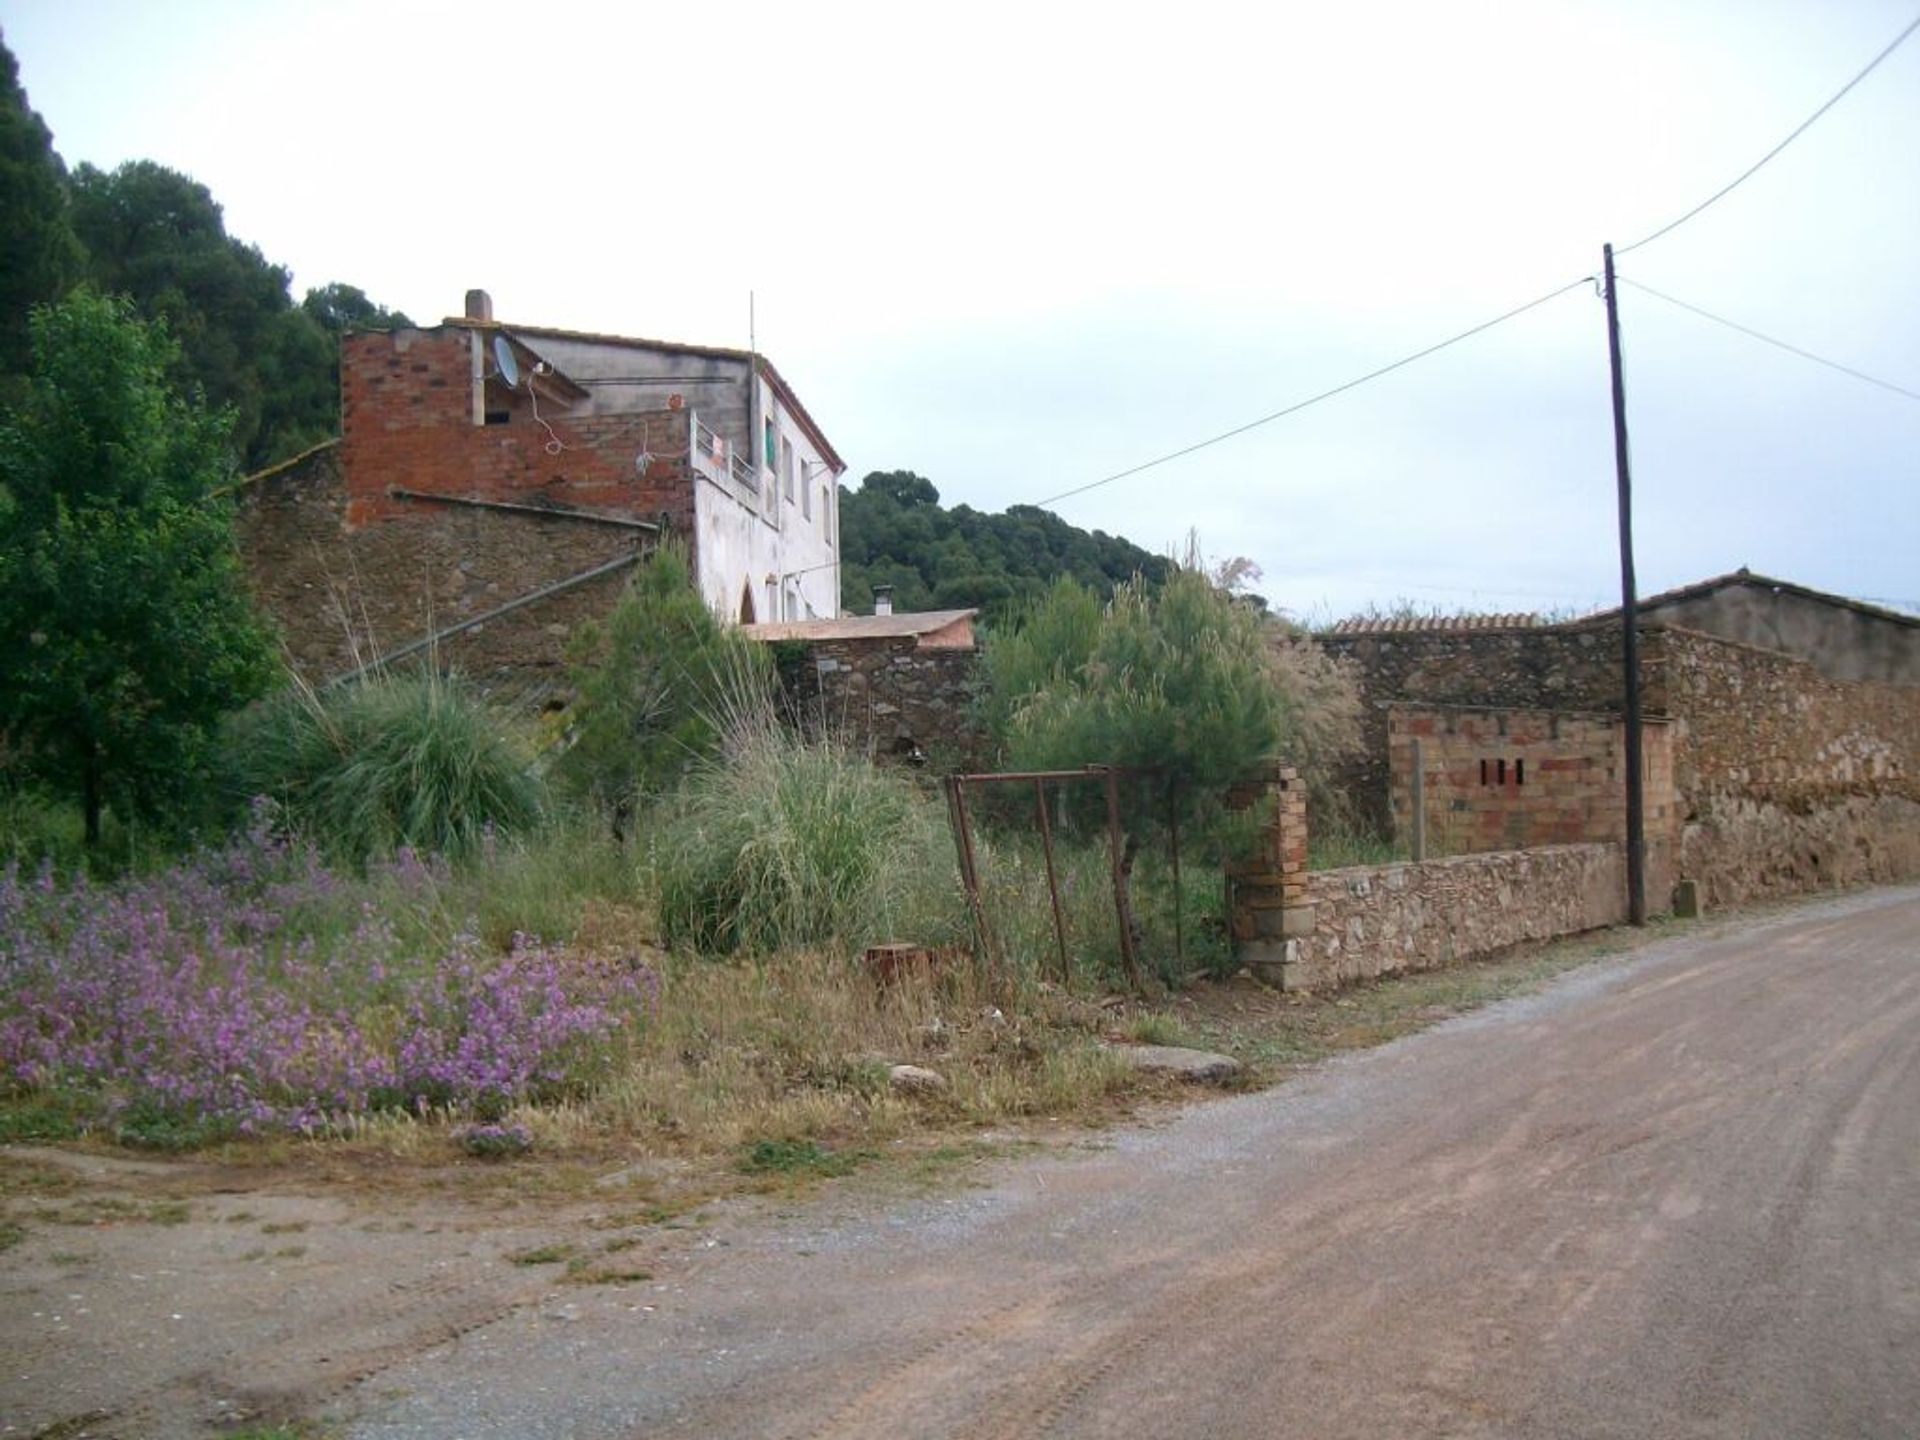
<point x="1769" y="340"/>
<point x="1794" y="135"/>
<point x="1340" y="389"/>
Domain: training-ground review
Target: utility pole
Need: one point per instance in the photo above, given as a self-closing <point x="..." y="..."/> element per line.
<point x="1629" y="617"/>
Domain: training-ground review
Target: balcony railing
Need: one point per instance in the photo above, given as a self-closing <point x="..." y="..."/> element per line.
<point x="714" y="458"/>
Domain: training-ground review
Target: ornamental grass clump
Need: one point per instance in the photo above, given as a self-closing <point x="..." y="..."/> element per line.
<point x="785" y="843"/>
<point x="249" y="989"/>
<point x="390" y="760"/>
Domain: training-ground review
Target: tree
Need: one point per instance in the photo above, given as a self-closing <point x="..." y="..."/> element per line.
<point x="653" y="686"/>
<point x="39" y="255"/>
<point x="338" y="308"/>
<point x="159" y="237"/>
<point x="125" y="632"/>
<point x="894" y="531"/>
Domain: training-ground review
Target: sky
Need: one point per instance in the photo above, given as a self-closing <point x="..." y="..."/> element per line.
<point x="1020" y="248"/>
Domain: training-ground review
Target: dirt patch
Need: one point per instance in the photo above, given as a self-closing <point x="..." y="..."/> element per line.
<point x="182" y="1297"/>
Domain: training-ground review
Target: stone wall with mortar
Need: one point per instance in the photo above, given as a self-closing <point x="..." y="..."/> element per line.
<point x="889" y="697"/>
<point x="1385" y="920"/>
<point x="340" y="595"/>
<point x="1788" y="781"/>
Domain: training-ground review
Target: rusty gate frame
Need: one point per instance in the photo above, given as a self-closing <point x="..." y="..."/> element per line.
<point x="959" y="819"/>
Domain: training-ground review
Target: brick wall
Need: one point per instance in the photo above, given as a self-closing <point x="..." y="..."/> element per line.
<point x="1531" y="668"/>
<point x="407" y="421"/>
<point x="1500" y="779"/>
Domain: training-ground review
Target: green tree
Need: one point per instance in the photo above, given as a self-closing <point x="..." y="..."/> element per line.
<point x="125" y="631"/>
<point x="1178" y="679"/>
<point x="894" y="531"/>
<point x="39" y="254"/>
<point x="654" y="685"/>
<point x="159" y="237"/>
<point x="338" y="308"/>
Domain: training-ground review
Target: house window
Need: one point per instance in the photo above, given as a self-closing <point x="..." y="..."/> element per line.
<point x="769" y="443"/>
<point x="786" y="468"/>
<point x="826" y="511"/>
<point x="806" y="501"/>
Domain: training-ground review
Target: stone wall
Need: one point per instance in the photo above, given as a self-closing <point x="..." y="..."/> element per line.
<point x="1384" y="920"/>
<point x="1789" y="781"/>
<point x="339" y="596"/>
<point x="889" y="697"/>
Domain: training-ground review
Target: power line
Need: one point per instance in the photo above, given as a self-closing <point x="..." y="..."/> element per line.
<point x="1769" y="340"/>
<point x="1795" y="134"/>
<point x="1300" y="405"/>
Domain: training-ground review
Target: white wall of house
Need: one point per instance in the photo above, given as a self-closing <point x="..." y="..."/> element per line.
<point x="782" y="551"/>
<point x="779" y="547"/>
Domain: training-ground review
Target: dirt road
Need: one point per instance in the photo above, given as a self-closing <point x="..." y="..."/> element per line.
<point x="1677" y="1196"/>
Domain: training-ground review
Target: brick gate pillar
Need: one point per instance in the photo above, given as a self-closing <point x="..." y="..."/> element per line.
<point x="1267" y="904"/>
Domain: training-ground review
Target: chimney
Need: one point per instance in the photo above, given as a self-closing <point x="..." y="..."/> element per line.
<point x="479" y="305"/>
<point x="883" y="599"/>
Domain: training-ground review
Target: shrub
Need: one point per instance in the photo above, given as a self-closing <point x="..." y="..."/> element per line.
<point x="387" y="761"/>
<point x="786" y="843"/>
<point x="654" y="687"/>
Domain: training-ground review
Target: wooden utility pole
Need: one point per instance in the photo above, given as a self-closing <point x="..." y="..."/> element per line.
<point x="1629" y="617"/>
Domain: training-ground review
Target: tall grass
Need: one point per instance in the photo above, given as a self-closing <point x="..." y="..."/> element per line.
<point x="785" y="843"/>
<point x="391" y="760"/>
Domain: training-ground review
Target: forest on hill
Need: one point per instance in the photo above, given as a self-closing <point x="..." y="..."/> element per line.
<point x="894" y="531"/>
<point x="159" y="238"/>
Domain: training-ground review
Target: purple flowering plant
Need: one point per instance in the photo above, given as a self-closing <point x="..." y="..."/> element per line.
<point x="251" y="988"/>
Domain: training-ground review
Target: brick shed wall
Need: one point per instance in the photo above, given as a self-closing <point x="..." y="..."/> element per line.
<point x="1524" y="668"/>
<point x="1521" y="779"/>
<point x="407" y="421"/>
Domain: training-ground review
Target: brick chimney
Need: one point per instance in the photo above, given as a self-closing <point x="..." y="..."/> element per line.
<point x="479" y="305"/>
<point x="883" y="599"/>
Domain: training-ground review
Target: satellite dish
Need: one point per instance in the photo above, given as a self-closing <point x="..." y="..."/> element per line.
<point x="504" y="362"/>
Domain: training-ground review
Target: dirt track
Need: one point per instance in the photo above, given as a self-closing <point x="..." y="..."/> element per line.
<point x="1673" y="1195"/>
<point x="1677" y="1196"/>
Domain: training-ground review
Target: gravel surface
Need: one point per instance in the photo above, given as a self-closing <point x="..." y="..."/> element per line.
<point x="1676" y="1196"/>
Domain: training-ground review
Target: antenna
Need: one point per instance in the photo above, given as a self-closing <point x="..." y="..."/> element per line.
<point x="504" y="361"/>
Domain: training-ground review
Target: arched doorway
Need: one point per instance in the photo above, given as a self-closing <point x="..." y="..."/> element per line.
<point x="746" y="604"/>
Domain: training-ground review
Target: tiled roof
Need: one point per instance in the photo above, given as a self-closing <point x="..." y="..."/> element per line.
<point x="1430" y="624"/>
<point x="1743" y="576"/>
<point x="905" y="624"/>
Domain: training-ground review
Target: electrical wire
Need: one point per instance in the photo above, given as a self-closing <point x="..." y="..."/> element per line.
<point x="1769" y="340"/>
<point x="1340" y="389"/>
<point x="1795" y="134"/>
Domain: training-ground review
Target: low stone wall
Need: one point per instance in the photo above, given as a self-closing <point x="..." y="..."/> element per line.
<point x="1384" y="920"/>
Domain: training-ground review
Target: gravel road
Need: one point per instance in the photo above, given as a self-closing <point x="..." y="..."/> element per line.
<point x="1676" y="1196"/>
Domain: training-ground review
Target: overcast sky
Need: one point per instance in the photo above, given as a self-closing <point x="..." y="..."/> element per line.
<point x="1019" y="248"/>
